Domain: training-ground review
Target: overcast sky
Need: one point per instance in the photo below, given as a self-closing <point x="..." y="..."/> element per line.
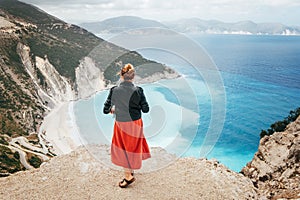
<point x="78" y="11"/>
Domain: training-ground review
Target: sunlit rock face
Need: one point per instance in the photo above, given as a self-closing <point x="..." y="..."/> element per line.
<point x="275" y="168"/>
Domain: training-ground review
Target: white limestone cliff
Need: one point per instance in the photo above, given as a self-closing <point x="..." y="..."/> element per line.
<point x="58" y="87"/>
<point x="24" y="53"/>
<point x="89" y="78"/>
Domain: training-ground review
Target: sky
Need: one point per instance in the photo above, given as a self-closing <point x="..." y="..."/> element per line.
<point x="78" y="11"/>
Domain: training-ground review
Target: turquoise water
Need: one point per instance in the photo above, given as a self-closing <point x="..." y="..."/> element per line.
<point x="261" y="76"/>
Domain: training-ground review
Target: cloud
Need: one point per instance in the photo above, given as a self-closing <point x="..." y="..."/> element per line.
<point x="64" y="2"/>
<point x="171" y="4"/>
<point x="277" y="3"/>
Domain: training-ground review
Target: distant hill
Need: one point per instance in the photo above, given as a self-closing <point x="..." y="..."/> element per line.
<point x="191" y="25"/>
<point x="120" y="24"/>
<point x="195" y="25"/>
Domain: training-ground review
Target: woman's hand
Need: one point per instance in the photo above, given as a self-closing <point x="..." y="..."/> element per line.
<point x="112" y="110"/>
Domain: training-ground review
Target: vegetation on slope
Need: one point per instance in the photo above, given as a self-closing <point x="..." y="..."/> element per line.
<point x="280" y="126"/>
<point x="9" y="161"/>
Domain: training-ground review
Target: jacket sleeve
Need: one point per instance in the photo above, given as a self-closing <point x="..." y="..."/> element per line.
<point x="107" y="104"/>
<point x="143" y="102"/>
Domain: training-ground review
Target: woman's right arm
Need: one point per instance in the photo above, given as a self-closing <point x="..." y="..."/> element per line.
<point x="108" y="104"/>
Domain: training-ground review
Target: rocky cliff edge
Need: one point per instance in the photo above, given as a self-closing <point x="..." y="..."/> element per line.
<point x="275" y="168"/>
<point x="83" y="174"/>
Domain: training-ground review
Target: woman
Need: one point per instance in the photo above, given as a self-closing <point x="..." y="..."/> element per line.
<point x="129" y="146"/>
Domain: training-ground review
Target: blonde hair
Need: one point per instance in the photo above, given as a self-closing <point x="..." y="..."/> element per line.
<point x="127" y="72"/>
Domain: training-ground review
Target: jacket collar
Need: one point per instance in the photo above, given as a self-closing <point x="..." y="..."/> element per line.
<point x="126" y="83"/>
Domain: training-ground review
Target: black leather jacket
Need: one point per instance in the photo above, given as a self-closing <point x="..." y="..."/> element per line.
<point x="129" y="100"/>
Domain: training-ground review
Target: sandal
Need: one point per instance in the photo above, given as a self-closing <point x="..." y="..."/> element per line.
<point x="126" y="183"/>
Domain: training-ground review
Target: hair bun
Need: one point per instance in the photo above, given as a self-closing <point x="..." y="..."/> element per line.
<point x="128" y="72"/>
<point x="127" y="68"/>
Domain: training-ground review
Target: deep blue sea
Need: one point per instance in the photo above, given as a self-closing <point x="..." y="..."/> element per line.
<point x="261" y="76"/>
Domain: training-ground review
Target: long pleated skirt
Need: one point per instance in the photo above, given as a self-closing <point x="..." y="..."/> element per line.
<point x="129" y="146"/>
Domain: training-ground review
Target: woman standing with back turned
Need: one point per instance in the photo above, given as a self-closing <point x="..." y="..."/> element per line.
<point x="129" y="146"/>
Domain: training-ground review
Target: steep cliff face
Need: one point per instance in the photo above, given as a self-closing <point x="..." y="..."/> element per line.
<point x="89" y="78"/>
<point x="275" y="168"/>
<point x="52" y="88"/>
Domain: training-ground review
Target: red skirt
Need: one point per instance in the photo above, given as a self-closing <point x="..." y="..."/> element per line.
<point x="129" y="146"/>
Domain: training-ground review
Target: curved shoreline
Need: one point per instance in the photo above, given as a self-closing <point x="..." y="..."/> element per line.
<point x="60" y="131"/>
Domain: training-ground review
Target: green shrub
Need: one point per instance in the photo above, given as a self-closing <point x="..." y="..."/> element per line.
<point x="35" y="161"/>
<point x="16" y="155"/>
<point x="8" y="162"/>
<point x="280" y="126"/>
<point x="3" y="141"/>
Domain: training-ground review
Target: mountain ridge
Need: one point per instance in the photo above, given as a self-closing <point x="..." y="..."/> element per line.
<point x="194" y="25"/>
<point x="120" y="24"/>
